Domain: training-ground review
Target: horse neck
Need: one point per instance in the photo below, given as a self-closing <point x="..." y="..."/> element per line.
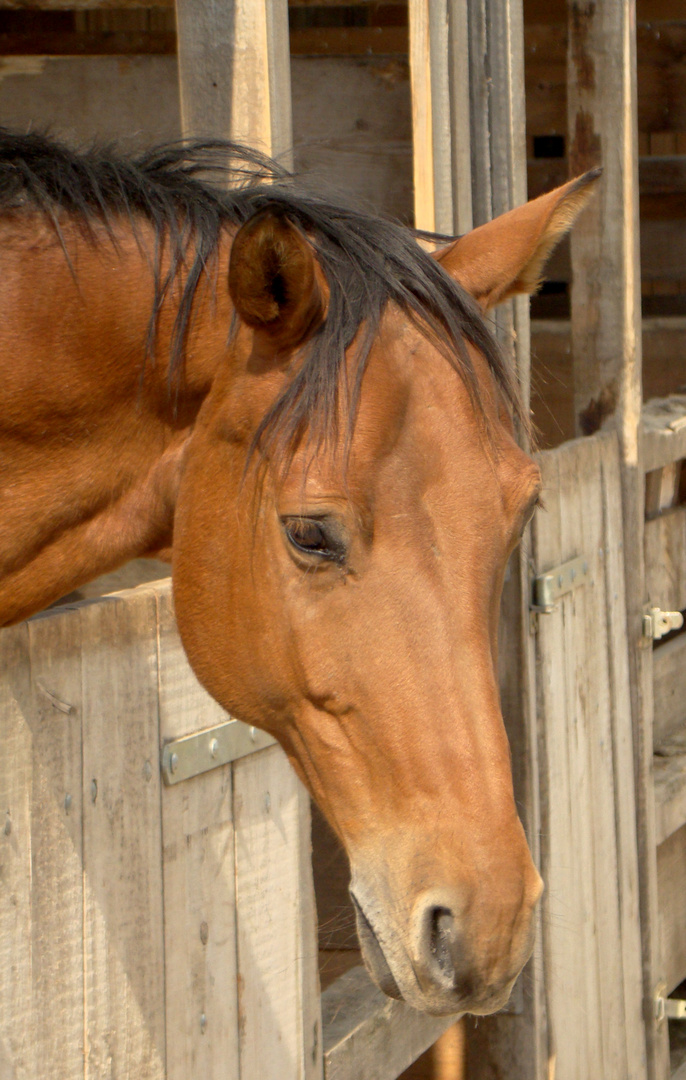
<point x="92" y="431"/>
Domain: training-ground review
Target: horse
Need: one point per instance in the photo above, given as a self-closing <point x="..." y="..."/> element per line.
<point x="304" y="410"/>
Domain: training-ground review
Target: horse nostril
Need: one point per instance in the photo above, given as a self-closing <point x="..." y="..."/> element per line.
<point x="442" y="938"/>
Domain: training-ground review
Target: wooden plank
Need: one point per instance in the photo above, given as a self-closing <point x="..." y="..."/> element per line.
<point x="662" y="489"/>
<point x="669" y="671"/>
<point x="41" y="925"/>
<point x="234" y="72"/>
<point x="664" y="431"/>
<point x="440" y="80"/>
<point x="670" y="792"/>
<point x="606" y="354"/>
<point x="563" y="849"/>
<point x="665" y="558"/>
<point x="54" y="718"/>
<point x="276" y="955"/>
<point x="628" y="887"/>
<point x="18" y="1021"/>
<point x="123" y="916"/>
<point x="201" y="987"/>
<point x="671" y="870"/>
<point x="184" y="705"/>
<point x="370" y="1036"/>
<point x="592" y="947"/>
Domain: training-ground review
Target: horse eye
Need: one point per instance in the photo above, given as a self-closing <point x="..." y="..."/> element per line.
<point x="315" y="536"/>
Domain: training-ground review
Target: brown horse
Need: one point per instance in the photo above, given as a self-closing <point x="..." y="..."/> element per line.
<point x="308" y="412"/>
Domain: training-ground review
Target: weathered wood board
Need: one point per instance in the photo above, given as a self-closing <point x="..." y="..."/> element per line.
<point x="665" y="556"/>
<point x="669" y="676"/>
<point x="146" y="932"/>
<point x="592" y="957"/>
<point x="671" y="878"/>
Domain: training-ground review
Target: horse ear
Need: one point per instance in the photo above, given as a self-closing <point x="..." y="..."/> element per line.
<point x="507" y="255"/>
<point x="274" y="279"/>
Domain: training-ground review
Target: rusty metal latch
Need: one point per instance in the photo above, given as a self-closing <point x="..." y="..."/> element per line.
<point x="549" y="587"/>
<point x="657" y="623"/>
<point x="204" y="750"/>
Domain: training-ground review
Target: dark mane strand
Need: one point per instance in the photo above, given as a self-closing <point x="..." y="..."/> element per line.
<point x="191" y="191"/>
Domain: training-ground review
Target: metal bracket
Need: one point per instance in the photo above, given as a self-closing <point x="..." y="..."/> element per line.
<point x="657" y="623"/>
<point x="549" y="587"/>
<point x="204" y="750"/>
<point x="667" y="1008"/>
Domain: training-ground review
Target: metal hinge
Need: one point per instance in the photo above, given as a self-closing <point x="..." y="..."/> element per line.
<point x="549" y="587"/>
<point x="657" y="623"/>
<point x="204" y="750"/>
<point x="667" y="1008"/>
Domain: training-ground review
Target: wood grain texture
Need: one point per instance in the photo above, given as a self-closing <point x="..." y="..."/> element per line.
<point x="665" y="558"/>
<point x="17" y="1015"/>
<point x="41" y="939"/>
<point x="122" y="844"/>
<point x="671" y="870"/>
<point x="670" y="794"/>
<point x="606" y="354"/>
<point x="431" y="114"/>
<point x="234" y="72"/>
<point x="370" y="1036"/>
<point x="55" y="719"/>
<point x="669" y="671"/>
<point x="272" y="950"/>
<point x="589" y="859"/>
<point x="201" y="989"/>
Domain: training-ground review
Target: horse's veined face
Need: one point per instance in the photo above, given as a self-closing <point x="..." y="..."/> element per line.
<point x="349" y="605"/>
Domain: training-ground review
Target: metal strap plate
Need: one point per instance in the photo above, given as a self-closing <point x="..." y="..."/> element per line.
<point x="549" y="587"/>
<point x="204" y="750"/>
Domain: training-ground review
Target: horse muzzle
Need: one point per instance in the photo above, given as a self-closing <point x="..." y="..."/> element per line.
<point x="436" y="962"/>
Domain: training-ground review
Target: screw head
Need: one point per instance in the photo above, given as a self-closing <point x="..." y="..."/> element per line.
<point x="174" y="762"/>
<point x="214" y="748"/>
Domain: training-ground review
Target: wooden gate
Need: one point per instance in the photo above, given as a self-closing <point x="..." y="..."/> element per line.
<point x="146" y="931"/>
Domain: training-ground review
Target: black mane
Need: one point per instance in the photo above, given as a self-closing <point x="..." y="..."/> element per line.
<point x="181" y="189"/>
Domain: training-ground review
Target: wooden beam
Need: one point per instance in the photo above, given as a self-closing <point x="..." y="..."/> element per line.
<point x="368" y="1036"/>
<point x="606" y="348"/>
<point x="234" y="72"/>
<point x="439" y="73"/>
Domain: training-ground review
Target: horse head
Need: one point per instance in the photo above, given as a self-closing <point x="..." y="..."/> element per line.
<point x="338" y="570"/>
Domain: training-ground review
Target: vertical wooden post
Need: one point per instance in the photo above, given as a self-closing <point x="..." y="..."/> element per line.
<point x="234" y="72"/>
<point x="439" y="73"/>
<point x="470" y="164"/>
<point x="606" y="342"/>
